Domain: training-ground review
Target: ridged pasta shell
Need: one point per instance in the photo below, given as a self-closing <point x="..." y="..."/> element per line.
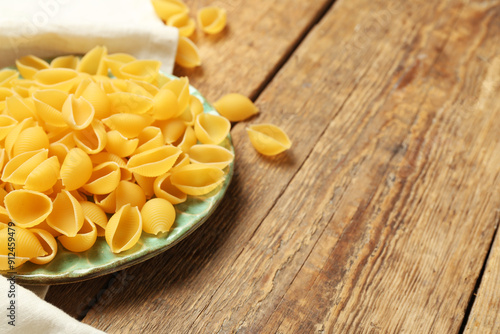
<point x="27" y="208"/>
<point x="188" y="54"/>
<point x="67" y="214"/>
<point x="93" y="61"/>
<point x="163" y="188"/>
<point x="18" y="168"/>
<point x="63" y="79"/>
<point x="27" y="247"/>
<point x="96" y="215"/>
<point x="7" y="123"/>
<point x="195" y="108"/>
<point x="44" y="176"/>
<point x="104" y="179"/>
<point x="124" y="229"/>
<point x="183" y="23"/>
<point x="268" y="139"/>
<point x="83" y="240"/>
<point x="165" y="105"/>
<point x="146" y="183"/>
<point x="211" y="129"/>
<point x="182" y="160"/>
<point x="48" y="243"/>
<point x="117" y="60"/>
<point x="96" y="96"/>
<point x="158" y="215"/>
<point x="129" y="125"/>
<point x="103" y="156"/>
<point x="107" y="202"/>
<point x="134" y="88"/>
<point x="125" y="102"/>
<point x="187" y="140"/>
<point x="20" y="108"/>
<point x="58" y="150"/>
<point x="212" y="155"/>
<point x="235" y="107"/>
<point x="166" y="8"/>
<point x="145" y="70"/>
<point x="154" y="162"/>
<point x="31" y="139"/>
<point x="76" y="169"/>
<point x="44" y="226"/>
<point x="28" y="66"/>
<point x="180" y="87"/>
<point x="4" y="215"/>
<point x="172" y="129"/>
<point x="149" y="138"/>
<point x="212" y="20"/>
<point x="129" y="193"/>
<point x="120" y="145"/>
<point x="11" y="138"/>
<point x="48" y="104"/>
<point x="70" y="62"/>
<point x="6" y="76"/>
<point x="77" y="112"/>
<point x="93" y="138"/>
<point x="146" y="86"/>
<point x="197" y="179"/>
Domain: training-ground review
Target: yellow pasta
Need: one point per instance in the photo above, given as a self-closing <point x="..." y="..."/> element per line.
<point x="83" y="240"/>
<point x="96" y="96"/>
<point x="163" y="188"/>
<point x="27" y="247"/>
<point x="44" y="176"/>
<point x="48" y="243"/>
<point x="124" y="229"/>
<point x="212" y="20"/>
<point x="28" y="66"/>
<point x="76" y="169"/>
<point x="188" y="55"/>
<point x="197" y="179"/>
<point x="268" y="139"/>
<point x="212" y="155"/>
<point x="77" y="112"/>
<point x="63" y="79"/>
<point x="104" y="178"/>
<point x="235" y="107"/>
<point x="115" y="61"/>
<point x="183" y="23"/>
<point x="129" y="193"/>
<point x="65" y="62"/>
<point x="211" y="129"/>
<point x="93" y="62"/>
<point x="125" y="102"/>
<point x="129" y="125"/>
<point x="120" y="145"/>
<point x="6" y="76"/>
<point x="146" y="70"/>
<point x="96" y="215"/>
<point x="154" y="162"/>
<point x="19" y="108"/>
<point x="23" y="215"/>
<point x="166" y="8"/>
<point x="149" y="138"/>
<point x="67" y="215"/>
<point x="49" y="103"/>
<point x="30" y="139"/>
<point x="158" y="215"/>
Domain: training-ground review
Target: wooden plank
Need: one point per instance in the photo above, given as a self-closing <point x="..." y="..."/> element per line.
<point x="240" y="60"/>
<point x="376" y="219"/>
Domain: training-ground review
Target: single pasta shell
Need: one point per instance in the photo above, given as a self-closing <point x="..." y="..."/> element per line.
<point x="195" y="108"/>
<point x="165" y="104"/>
<point x="93" y="61"/>
<point x="213" y="155"/>
<point x="28" y="66"/>
<point x="188" y="54"/>
<point x="146" y="86"/>
<point x="19" y="108"/>
<point x="26" y="243"/>
<point x="96" y="215"/>
<point x="19" y="168"/>
<point x="31" y="139"/>
<point x="4" y="215"/>
<point x="235" y="107"/>
<point x="58" y="150"/>
<point x="63" y="79"/>
<point x="27" y="208"/>
<point x="7" y="123"/>
<point x="197" y="179"/>
<point x="44" y="226"/>
<point x="129" y="125"/>
<point x="149" y="138"/>
<point x="48" y="243"/>
<point x="183" y="23"/>
<point x="212" y="20"/>
<point x="116" y="61"/>
<point x="182" y="160"/>
<point x="124" y="229"/>
<point x="145" y="70"/>
<point x="11" y="138"/>
<point x="107" y="202"/>
<point x="125" y="102"/>
<point x="146" y="183"/>
<point x="83" y="240"/>
<point x="211" y="129"/>
<point x="180" y="87"/>
<point x="163" y="188"/>
<point x="154" y="162"/>
<point x="48" y="104"/>
<point x="6" y="76"/>
<point x="93" y="138"/>
<point x="119" y="144"/>
<point x="137" y="89"/>
<point x="44" y="176"/>
<point x="65" y="62"/>
<point x="187" y="140"/>
<point x="103" y="156"/>
<point x="129" y="193"/>
<point x="76" y="169"/>
<point x="172" y="129"/>
<point x="166" y="8"/>
<point x="77" y="112"/>
<point x="158" y="215"/>
<point x="104" y="179"/>
<point x="268" y="139"/>
<point x="67" y="215"/>
<point x="93" y="93"/>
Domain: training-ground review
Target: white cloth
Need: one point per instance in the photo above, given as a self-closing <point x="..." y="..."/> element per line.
<point x="48" y="28"/>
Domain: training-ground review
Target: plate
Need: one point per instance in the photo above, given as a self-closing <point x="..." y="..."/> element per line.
<point x="68" y="267"/>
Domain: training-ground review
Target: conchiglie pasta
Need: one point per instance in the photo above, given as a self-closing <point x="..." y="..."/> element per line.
<point x="104" y="178"/>
<point x="83" y="240"/>
<point x="188" y="54"/>
<point x="158" y="215"/>
<point x="212" y="20"/>
<point x="211" y="129"/>
<point x="235" y="107"/>
<point x="28" y="66"/>
<point x="76" y="169"/>
<point x="27" y="208"/>
<point x="129" y="193"/>
<point x="96" y="215"/>
<point x="27" y="247"/>
<point x="197" y="179"/>
<point x="167" y="8"/>
<point x="67" y="214"/>
<point x="48" y="243"/>
<point x="124" y="229"/>
<point x="212" y="155"/>
<point x="268" y="139"/>
<point x="154" y="162"/>
<point x="163" y="188"/>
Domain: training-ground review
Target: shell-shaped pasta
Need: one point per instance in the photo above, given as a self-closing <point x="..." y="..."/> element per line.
<point x="28" y="66"/>
<point x="161" y="80"/>
<point x="63" y="79"/>
<point x="96" y="96"/>
<point x="44" y="226"/>
<point x="4" y="215"/>
<point x="149" y="138"/>
<point x="188" y="54"/>
<point x="19" y="108"/>
<point x="154" y="162"/>
<point x="27" y="247"/>
<point x="5" y="93"/>
<point x="93" y="61"/>
<point x="146" y="183"/>
<point x="83" y="240"/>
<point x="7" y="123"/>
<point x="172" y="129"/>
<point x="58" y="150"/>
<point x="146" y="86"/>
<point x="268" y="139"/>
<point x="212" y="19"/>
<point x="104" y="179"/>
<point x="235" y="107"/>
<point x="197" y="179"/>
<point x="70" y="62"/>
<point x="6" y="76"/>
<point x="145" y="70"/>
<point x="27" y="208"/>
<point x="187" y="140"/>
<point x="125" y="102"/>
<point x="211" y="129"/>
<point x="165" y="104"/>
<point x="163" y="188"/>
<point x="213" y="155"/>
<point x="137" y="89"/>
<point x="107" y="202"/>
<point x="48" y="104"/>
<point x="129" y="193"/>
<point x="195" y="108"/>
<point x="77" y="112"/>
<point x="182" y="160"/>
<point x="11" y="138"/>
<point x="44" y="176"/>
<point x="158" y="215"/>
<point x="31" y="139"/>
<point x="76" y="169"/>
<point x="183" y="23"/>
<point x="18" y="168"/>
<point x="103" y="156"/>
<point x="124" y="229"/>
<point x="117" y="60"/>
<point x="119" y="144"/>
<point x="48" y="243"/>
<point x="67" y="215"/>
<point x="93" y="138"/>
<point x="96" y="215"/>
<point x="166" y="8"/>
<point x="129" y="125"/>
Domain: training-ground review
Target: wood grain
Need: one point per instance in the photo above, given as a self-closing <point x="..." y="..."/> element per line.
<point x="379" y="218"/>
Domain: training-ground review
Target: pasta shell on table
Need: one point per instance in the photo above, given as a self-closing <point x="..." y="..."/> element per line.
<point x="165" y="105"/>
<point x="19" y="167"/>
<point x="166" y="8"/>
<point x="107" y="202"/>
<point x="63" y="79"/>
<point x="163" y="188"/>
<point x="20" y="108"/>
<point x="154" y="162"/>
<point x="187" y="140"/>
<point x="93" y="138"/>
<point x="28" y="66"/>
<point x="149" y="138"/>
<point x="48" y="104"/>
<point x="48" y="243"/>
<point x="67" y="215"/>
<point x="93" y="62"/>
<point x="124" y="229"/>
<point x="211" y="129"/>
<point x="188" y="54"/>
<point x="27" y="247"/>
<point x="143" y="69"/>
<point x="104" y="179"/>
<point x="83" y="240"/>
<point x="268" y="139"/>
<point x="76" y="169"/>
<point x="125" y="102"/>
<point x="146" y="183"/>
<point x="129" y="193"/>
<point x="115" y="61"/>
<point x="103" y="156"/>
<point x="120" y="145"/>
<point x="77" y="112"/>
<point x="7" y="123"/>
<point x="213" y="155"/>
<point x="212" y="20"/>
<point x="158" y="215"/>
<point x="27" y="208"/>
<point x="235" y="107"/>
<point x="31" y="139"/>
<point x="196" y="180"/>
<point x="70" y="62"/>
<point x="129" y="125"/>
<point x="6" y="76"/>
<point x="96" y="215"/>
<point x="44" y="176"/>
<point x="96" y="96"/>
<point x="172" y="129"/>
<point x="183" y="23"/>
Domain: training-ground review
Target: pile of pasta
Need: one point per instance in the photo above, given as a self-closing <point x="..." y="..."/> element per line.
<point x="86" y="155"/>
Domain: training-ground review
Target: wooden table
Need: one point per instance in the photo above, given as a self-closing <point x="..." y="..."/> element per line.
<point x="382" y="218"/>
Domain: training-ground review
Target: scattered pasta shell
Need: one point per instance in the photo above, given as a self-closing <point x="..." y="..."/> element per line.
<point x="96" y="215"/>
<point x="77" y="112"/>
<point x="166" y="8"/>
<point x="124" y="229"/>
<point x="119" y="144"/>
<point x="27" y="247"/>
<point x="163" y="188"/>
<point x="154" y="162"/>
<point x="83" y="240"/>
<point x="197" y="179"/>
<point x="44" y="176"/>
<point x="129" y="193"/>
<point x="70" y="62"/>
<point x="92" y="139"/>
<point x="28" y="66"/>
<point x="48" y="243"/>
<point x="188" y="55"/>
<point x="27" y="208"/>
<point x="76" y="169"/>
<point x="93" y="62"/>
<point x="183" y="23"/>
<point x="57" y="78"/>
<point x="211" y="129"/>
<point x="67" y="214"/>
<point x="235" y="107"/>
<point x="146" y="70"/>
<point x="213" y="155"/>
<point x="212" y="20"/>
<point x="268" y="139"/>
<point x="129" y="125"/>
<point x="104" y="179"/>
<point x="158" y="215"/>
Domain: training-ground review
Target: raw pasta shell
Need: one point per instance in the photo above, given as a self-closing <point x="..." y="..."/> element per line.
<point x="27" y="247"/>
<point x="93" y="93"/>
<point x="134" y="87"/>
<point x="44" y="176"/>
<point x="124" y="229"/>
<point x="212" y="20"/>
<point x="7" y="123"/>
<point x="67" y="214"/>
<point x="31" y="139"/>
<point x="195" y="108"/>
<point x="19" y="108"/>
<point x="44" y="226"/>
<point x="235" y="107"/>
<point x="96" y="215"/>
<point x="103" y="156"/>
<point x="145" y="70"/>
<point x="129" y="193"/>
<point x="172" y="129"/>
<point x="183" y="23"/>
<point x="149" y="138"/>
<point x="6" y="76"/>
<point x="146" y="183"/>
<point x="83" y="240"/>
<point x="129" y="125"/>
<point x="19" y="168"/>
<point x="166" y="8"/>
<point x="211" y="129"/>
<point x="70" y="62"/>
<point x="187" y="140"/>
<point x="28" y="66"/>
<point x="77" y="112"/>
<point x="4" y="215"/>
<point x="154" y="162"/>
<point x="119" y="144"/>
<point x="58" y="150"/>
<point x="104" y="179"/>
<point x="63" y="79"/>
<point x="188" y="54"/>
<point x="125" y="102"/>
<point x="163" y="188"/>
<point x="197" y="179"/>
<point x="48" y="104"/>
<point x="180" y="87"/>
<point x="27" y="208"/>
<point x="158" y="215"/>
<point x="117" y="60"/>
<point x="268" y="139"/>
<point x="165" y="105"/>
<point x="76" y="169"/>
<point x="93" y="138"/>
<point x="212" y="155"/>
<point x="107" y="202"/>
<point x="93" y="61"/>
<point x="48" y="243"/>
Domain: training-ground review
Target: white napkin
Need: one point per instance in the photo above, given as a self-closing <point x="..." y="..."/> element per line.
<point x="49" y="28"/>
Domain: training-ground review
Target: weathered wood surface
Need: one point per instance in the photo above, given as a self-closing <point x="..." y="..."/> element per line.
<point x="381" y="216"/>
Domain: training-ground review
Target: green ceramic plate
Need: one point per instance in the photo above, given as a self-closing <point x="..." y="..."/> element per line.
<point x="70" y="267"/>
